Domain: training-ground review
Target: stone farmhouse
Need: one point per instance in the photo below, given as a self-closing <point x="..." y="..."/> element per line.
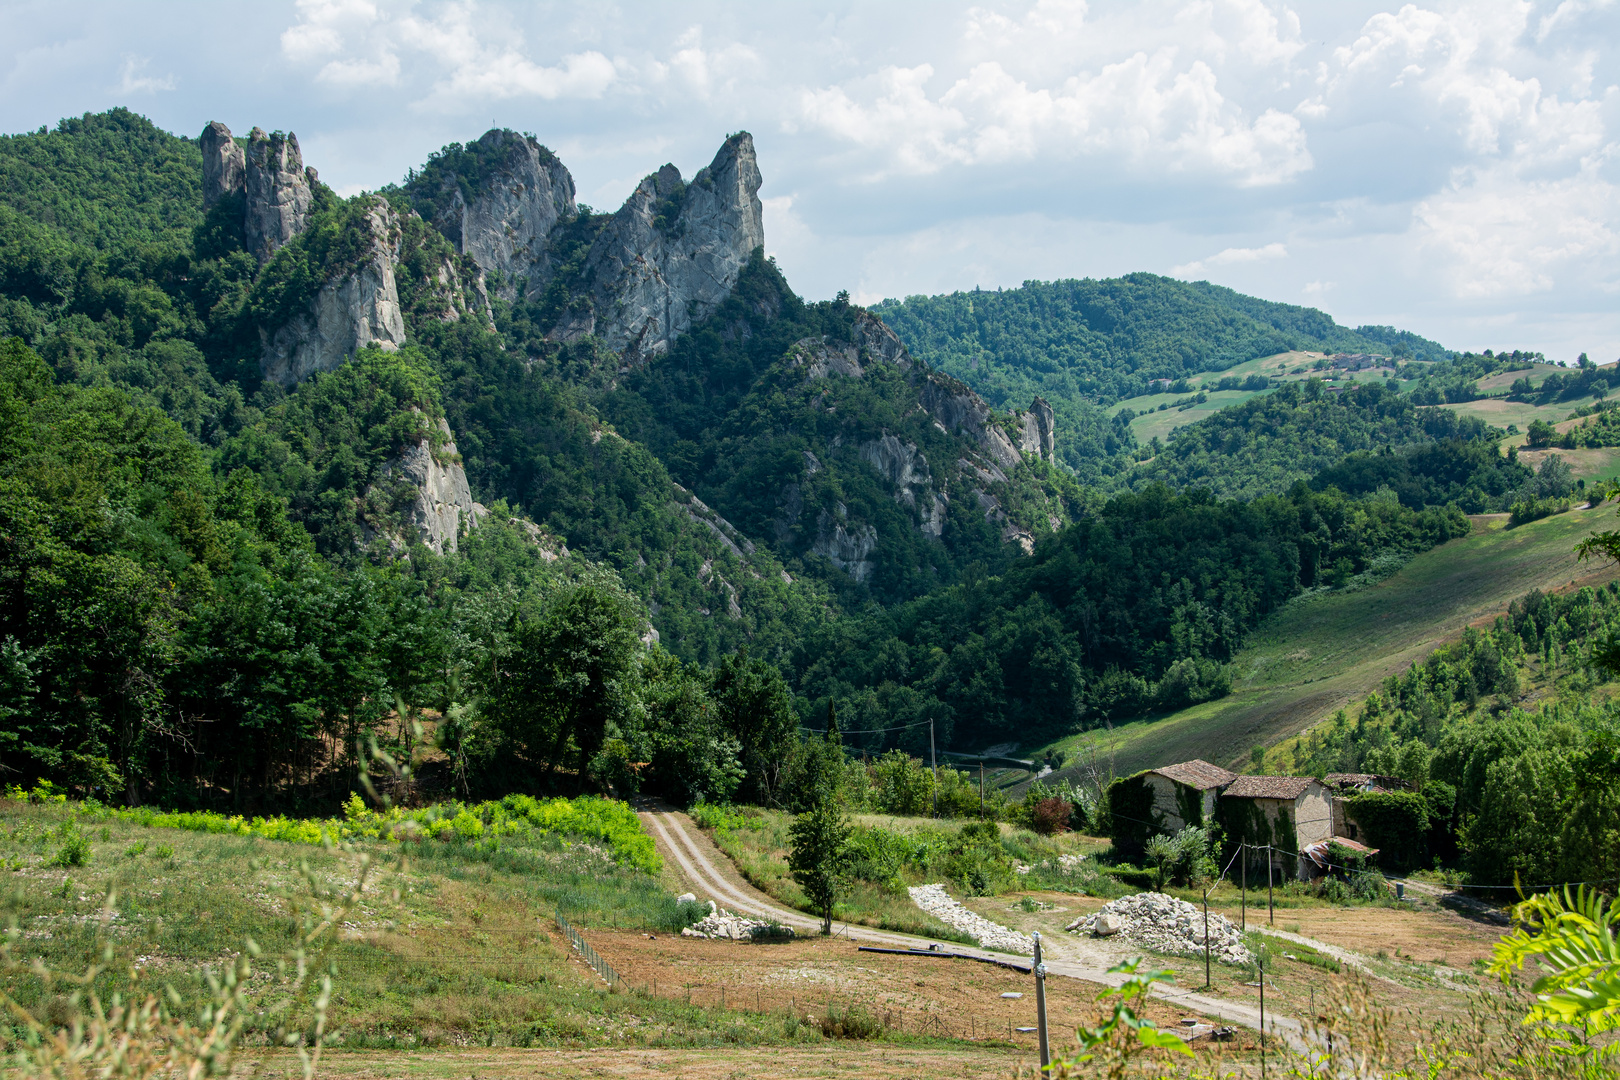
<point x="1290" y="819"/>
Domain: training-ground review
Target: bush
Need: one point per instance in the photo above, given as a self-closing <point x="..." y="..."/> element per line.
<point x="1051" y="816"/>
<point x="75" y="849"/>
<point x="1528" y="510"/>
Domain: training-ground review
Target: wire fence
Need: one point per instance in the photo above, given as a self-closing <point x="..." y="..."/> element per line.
<point x="590" y="955"/>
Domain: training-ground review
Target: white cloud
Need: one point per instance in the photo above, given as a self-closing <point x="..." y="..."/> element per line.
<point x="476" y="59"/>
<point x="1231" y="255"/>
<point x="1494" y="234"/>
<point x="133" y="82"/>
<point x="1144" y="111"/>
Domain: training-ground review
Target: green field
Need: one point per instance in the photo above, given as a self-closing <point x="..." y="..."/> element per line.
<point x="1152" y="423"/>
<point x="1319" y="653"/>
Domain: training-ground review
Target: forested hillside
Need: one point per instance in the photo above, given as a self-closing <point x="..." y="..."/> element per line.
<point x="287" y="471"/>
<point x="1508" y="738"/>
<point x="1090" y="343"/>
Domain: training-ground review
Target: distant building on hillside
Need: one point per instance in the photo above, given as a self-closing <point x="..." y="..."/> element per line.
<point x="1185" y="794"/>
<point x="1286" y="814"/>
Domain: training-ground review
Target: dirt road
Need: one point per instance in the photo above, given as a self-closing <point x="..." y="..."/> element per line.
<point x="711" y="875"/>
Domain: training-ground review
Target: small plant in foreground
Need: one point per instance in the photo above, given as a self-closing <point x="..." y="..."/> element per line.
<point x="1123" y="1036"/>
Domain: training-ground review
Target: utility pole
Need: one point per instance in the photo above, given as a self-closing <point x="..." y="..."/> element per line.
<point x="981" y="789"/>
<point x="934" y="756"/>
<point x="1206" y="938"/>
<point x="1243" y="905"/>
<point x="1271" y="906"/>
<point x="1040" y="1006"/>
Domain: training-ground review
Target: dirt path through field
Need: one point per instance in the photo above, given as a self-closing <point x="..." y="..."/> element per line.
<point x="1069" y="956"/>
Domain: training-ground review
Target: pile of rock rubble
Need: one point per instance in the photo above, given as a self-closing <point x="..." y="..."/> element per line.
<point x="934" y="900"/>
<point x="1167" y="925"/>
<point x="720" y="923"/>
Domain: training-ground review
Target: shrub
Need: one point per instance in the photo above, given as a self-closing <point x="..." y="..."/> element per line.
<point x="75" y="849"/>
<point x="1051" y="816"/>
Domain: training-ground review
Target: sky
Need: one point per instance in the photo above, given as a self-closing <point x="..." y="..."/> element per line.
<point x="1448" y="168"/>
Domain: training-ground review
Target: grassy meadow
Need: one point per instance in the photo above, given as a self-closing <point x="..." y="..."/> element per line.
<point x="452" y="943"/>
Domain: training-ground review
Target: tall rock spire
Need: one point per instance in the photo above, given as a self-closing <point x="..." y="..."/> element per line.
<point x="278" y="192"/>
<point x="672" y="253"/>
<point x="224" y="164"/>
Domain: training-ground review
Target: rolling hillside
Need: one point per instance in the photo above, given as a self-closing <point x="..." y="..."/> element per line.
<point x="1320" y="652"/>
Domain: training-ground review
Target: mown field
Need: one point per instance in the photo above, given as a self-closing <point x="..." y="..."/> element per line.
<point x="1321" y="652"/>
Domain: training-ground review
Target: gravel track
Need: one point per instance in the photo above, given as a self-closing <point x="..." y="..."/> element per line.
<point x="697" y="858"/>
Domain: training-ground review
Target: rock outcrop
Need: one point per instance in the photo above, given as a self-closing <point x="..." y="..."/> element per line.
<point x="507" y="225"/>
<point x="959" y="409"/>
<point x="848" y="548"/>
<point x="444" y="502"/>
<point x="1036" y="431"/>
<point x="906" y="470"/>
<point x="671" y="254"/>
<point x="357" y="309"/>
<point x="224" y="164"/>
<point x="278" y="192"/>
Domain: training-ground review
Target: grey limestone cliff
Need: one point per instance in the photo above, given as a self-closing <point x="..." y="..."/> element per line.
<point x="507" y="225"/>
<point x="1036" y="430"/>
<point x="444" y="504"/>
<point x="352" y="311"/>
<point x="224" y="164"/>
<point x="278" y="192"/>
<point x="671" y="254"/>
<point x="957" y="408"/>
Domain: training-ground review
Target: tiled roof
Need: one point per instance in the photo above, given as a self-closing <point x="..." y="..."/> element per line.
<point x="1365" y="781"/>
<point x="1198" y="774"/>
<point x="1268" y="787"/>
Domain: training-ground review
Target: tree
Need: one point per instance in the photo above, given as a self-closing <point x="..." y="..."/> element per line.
<point x="755" y="707"/>
<point x="570" y="676"/>
<point x="819" y="858"/>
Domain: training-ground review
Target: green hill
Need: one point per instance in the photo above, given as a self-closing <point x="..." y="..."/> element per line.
<point x="1320" y="652"/>
<point x="1088" y="343"/>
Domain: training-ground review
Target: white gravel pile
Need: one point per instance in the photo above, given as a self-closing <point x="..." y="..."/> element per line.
<point x="723" y="924"/>
<point x="933" y="899"/>
<point x="1167" y="925"/>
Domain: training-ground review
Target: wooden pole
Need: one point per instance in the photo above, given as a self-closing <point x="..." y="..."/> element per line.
<point x="1206" y="939"/>
<point x="1262" y="968"/>
<point x="1271" y="905"/>
<point x="981" y="791"/>
<point x="1040" y="1005"/>
<point x="934" y="758"/>
<point x="1243" y="908"/>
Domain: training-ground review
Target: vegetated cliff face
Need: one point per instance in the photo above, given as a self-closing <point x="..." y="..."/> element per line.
<point x="664" y="261"/>
<point x="444" y="502"/>
<point x="507" y="223"/>
<point x="672" y="253"/>
<point x="278" y="192"/>
<point x="357" y="309"/>
<point x="985" y="457"/>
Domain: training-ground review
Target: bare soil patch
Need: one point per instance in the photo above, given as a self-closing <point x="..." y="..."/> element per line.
<point x="922" y="995"/>
<point x="875" y="1060"/>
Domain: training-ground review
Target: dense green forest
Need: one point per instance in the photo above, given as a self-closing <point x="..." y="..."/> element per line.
<point x="1272" y="441"/>
<point x="1134" y="609"/>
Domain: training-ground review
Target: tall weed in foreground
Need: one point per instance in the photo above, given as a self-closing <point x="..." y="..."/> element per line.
<point x="77" y="1033"/>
